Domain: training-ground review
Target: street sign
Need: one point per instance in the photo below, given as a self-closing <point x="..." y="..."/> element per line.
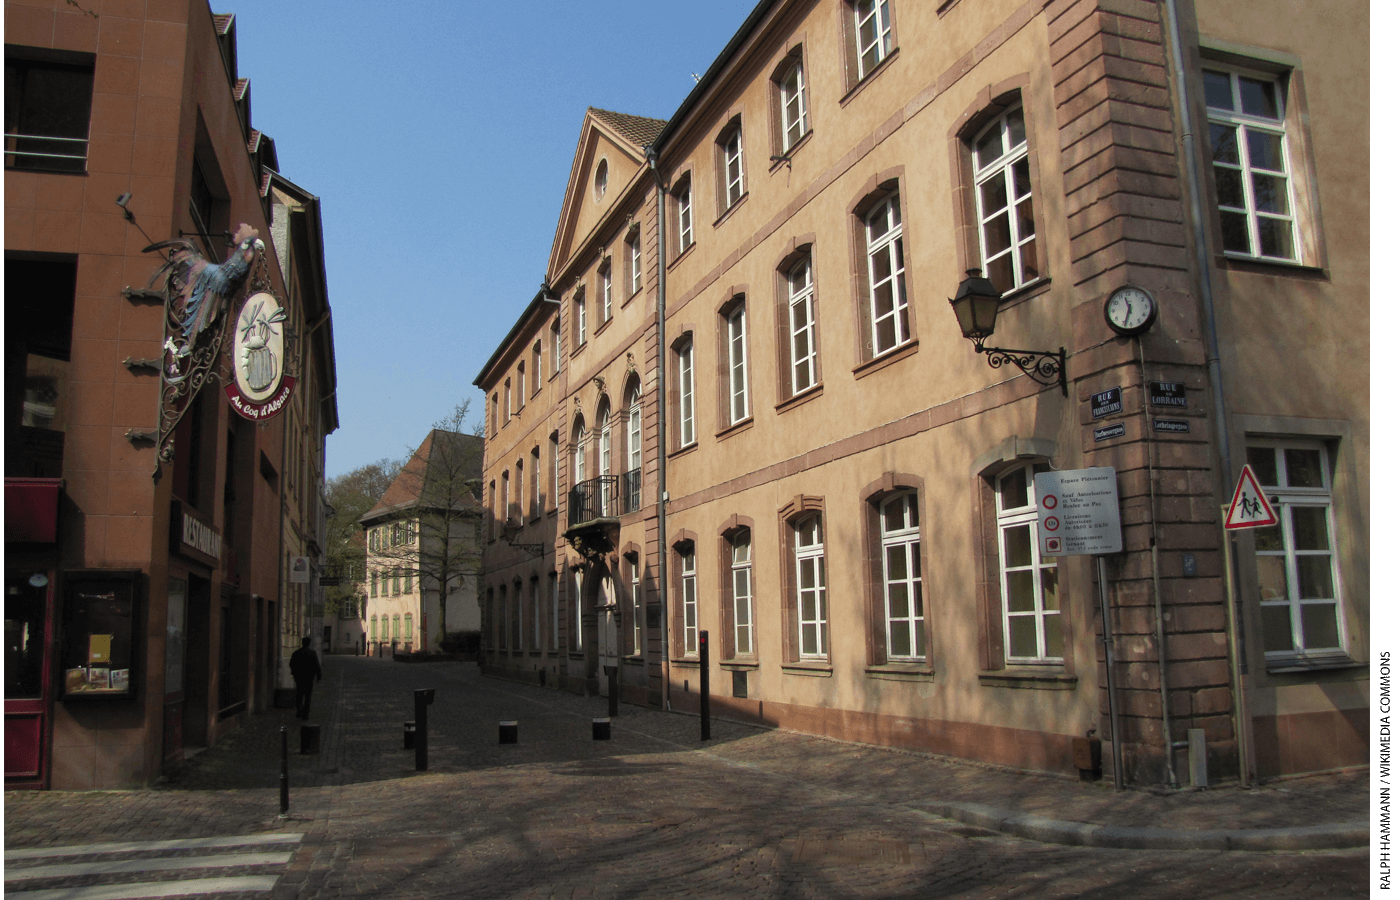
<point x="1106" y="403"/>
<point x="1249" y="508"/>
<point x="1079" y="512"/>
<point x="1108" y="432"/>
<point x="1168" y="393"/>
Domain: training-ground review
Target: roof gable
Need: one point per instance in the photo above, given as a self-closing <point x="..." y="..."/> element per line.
<point x="441" y="451"/>
<point x="621" y="140"/>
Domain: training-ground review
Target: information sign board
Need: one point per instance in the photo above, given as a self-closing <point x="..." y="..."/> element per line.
<point x="1079" y="512"/>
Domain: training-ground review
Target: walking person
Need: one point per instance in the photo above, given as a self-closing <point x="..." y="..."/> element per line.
<point x="306" y="670"/>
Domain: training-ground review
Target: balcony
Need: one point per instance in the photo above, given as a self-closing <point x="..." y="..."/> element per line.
<point x="592" y="500"/>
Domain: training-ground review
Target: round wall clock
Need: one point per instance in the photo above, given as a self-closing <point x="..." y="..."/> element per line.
<point x="1130" y="310"/>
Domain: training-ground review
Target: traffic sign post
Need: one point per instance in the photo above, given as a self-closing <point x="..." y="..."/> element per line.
<point x="1248" y="508"/>
<point x="1079" y="515"/>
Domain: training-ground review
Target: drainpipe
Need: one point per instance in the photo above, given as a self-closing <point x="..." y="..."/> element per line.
<point x="1168" y="746"/>
<point x="1203" y="270"/>
<point x="662" y="498"/>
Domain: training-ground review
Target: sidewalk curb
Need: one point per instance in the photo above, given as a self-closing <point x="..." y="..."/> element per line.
<point x="1345" y="836"/>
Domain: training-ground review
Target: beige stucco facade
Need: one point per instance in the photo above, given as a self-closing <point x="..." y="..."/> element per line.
<point x="895" y="407"/>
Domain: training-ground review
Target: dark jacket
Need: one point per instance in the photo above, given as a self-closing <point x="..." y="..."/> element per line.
<point x="305" y="665"/>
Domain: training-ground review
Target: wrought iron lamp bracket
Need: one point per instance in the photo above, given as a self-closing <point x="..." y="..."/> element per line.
<point x="1044" y="366"/>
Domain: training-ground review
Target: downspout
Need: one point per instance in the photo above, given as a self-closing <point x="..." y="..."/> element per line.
<point x="1203" y="270"/>
<point x="661" y="495"/>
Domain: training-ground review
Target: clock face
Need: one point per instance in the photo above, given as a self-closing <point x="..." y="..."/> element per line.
<point x="1130" y="310"/>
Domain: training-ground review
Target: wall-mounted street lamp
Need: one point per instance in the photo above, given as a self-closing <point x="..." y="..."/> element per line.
<point x="976" y="304"/>
<point x="511" y="532"/>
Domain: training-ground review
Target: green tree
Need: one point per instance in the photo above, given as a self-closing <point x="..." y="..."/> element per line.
<point x="350" y="496"/>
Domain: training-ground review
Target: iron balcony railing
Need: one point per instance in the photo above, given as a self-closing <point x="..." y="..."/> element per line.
<point x="595" y="498"/>
<point x="632" y="491"/>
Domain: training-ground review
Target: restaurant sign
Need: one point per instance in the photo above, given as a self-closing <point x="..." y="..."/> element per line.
<point x="261" y="386"/>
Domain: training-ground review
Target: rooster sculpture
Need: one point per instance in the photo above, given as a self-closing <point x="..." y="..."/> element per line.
<point x="205" y="288"/>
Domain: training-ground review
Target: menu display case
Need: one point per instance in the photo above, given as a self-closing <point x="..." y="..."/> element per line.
<point x="98" y="656"/>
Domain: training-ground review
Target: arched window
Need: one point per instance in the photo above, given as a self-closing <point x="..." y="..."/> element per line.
<point x="605" y="456"/>
<point x="632" y="480"/>
<point x="580" y="452"/>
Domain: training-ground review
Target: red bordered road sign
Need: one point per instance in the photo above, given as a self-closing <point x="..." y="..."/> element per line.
<point x="1249" y="508"/>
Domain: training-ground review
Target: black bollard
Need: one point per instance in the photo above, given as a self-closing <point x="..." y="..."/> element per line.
<point x="704" y="685"/>
<point x="421" y="699"/>
<point x="286" y="787"/>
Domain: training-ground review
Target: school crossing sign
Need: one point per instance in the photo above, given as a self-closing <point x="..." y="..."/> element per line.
<point x="1249" y="508"/>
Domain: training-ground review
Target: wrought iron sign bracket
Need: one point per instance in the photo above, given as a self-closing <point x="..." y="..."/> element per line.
<point x="145" y="295"/>
<point x="152" y="365"/>
<point x="1044" y="366"/>
<point x="510" y="534"/>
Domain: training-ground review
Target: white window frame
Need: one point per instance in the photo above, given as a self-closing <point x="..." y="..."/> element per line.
<point x="741" y="579"/>
<point x="634" y="263"/>
<point x="690" y="606"/>
<point x="902" y="544"/>
<point x="1285" y="500"/>
<point x="1009" y="168"/>
<point x="876" y="14"/>
<point x="537" y="492"/>
<point x="557" y="352"/>
<point x="684" y="215"/>
<point x="581" y="315"/>
<point x="580" y="455"/>
<point x="800" y="293"/>
<point x="1236" y="126"/>
<point x="889" y="246"/>
<point x="637" y="611"/>
<point x="685" y="367"/>
<point x="1039" y="567"/>
<point x="537" y="615"/>
<point x="734" y="166"/>
<point x="554" y="614"/>
<point x="812" y="557"/>
<point x="605" y="460"/>
<point x="605" y="277"/>
<point x="792" y="94"/>
<point x="578" y="611"/>
<point x="537" y="367"/>
<point x="634" y="432"/>
<point x="736" y="331"/>
<point x="554" y="467"/>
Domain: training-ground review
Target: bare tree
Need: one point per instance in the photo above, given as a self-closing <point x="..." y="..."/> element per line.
<point x="433" y="513"/>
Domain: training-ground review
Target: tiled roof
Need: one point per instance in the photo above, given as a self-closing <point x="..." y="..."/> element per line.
<point x="221" y="22"/>
<point x="638" y="129"/>
<point x="253" y="138"/>
<point x="240" y="89"/>
<point x="407" y="488"/>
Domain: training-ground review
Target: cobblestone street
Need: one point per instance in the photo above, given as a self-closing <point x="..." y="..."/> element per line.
<point x="653" y="812"/>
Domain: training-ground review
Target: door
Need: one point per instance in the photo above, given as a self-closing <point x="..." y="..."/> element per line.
<point x="28" y="676"/>
<point x="605" y="607"/>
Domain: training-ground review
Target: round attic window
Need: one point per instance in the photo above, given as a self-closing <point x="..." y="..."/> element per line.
<point x="600" y="180"/>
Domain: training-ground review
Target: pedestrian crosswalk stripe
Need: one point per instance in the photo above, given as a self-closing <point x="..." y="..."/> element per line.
<point x="116" y="862"/>
<point x="160" y="864"/>
<point x="247" y="840"/>
<point x="153" y="889"/>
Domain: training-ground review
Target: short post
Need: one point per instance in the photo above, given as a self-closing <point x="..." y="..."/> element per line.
<point x="704" y="685"/>
<point x="422" y="698"/>
<point x="509" y="733"/>
<point x="286" y="795"/>
<point x="612" y="691"/>
<point x="602" y="729"/>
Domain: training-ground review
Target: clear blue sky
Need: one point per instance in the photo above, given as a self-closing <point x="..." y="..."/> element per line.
<point x="439" y="137"/>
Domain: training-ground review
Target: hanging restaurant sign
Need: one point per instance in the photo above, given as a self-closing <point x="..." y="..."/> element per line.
<point x="261" y="385"/>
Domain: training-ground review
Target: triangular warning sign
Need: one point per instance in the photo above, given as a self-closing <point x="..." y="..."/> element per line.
<point x="1250" y="508"/>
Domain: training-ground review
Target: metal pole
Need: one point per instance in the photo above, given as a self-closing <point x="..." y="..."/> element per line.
<point x="704" y="685"/>
<point x="1112" y="681"/>
<point x="1236" y="688"/>
<point x="286" y="795"/>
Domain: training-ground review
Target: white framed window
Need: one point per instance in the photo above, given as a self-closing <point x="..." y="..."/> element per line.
<point x="536" y="367"/>
<point x="685" y="232"/>
<point x="634" y="264"/>
<point x="553" y="489"/>
<point x="1249" y="149"/>
<point x="580" y="320"/>
<point x="689" y="602"/>
<point x="554" y="612"/>
<point x="741" y="577"/>
<point x="810" y="555"/>
<point x="904" y="584"/>
<point x="605" y="289"/>
<point x="505" y="419"/>
<point x="733" y="166"/>
<point x="685" y="369"/>
<point x="519" y="612"/>
<point x="578" y="611"/>
<point x="556" y="349"/>
<point x="634" y="431"/>
<point x="1296" y="560"/>
<point x="536" y="614"/>
<point x="605" y="458"/>
<point x="1030" y="583"/>
<point x="520" y="387"/>
<point x="536" y="489"/>
<point x="792" y="94"/>
<point x="580" y="453"/>
<point x="802" y="326"/>
<point x="889" y="304"/>
<point x="637" y="612"/>
<point x="738" y="365"/>
<point x="1005" y="207"/>
<point x="873" y="34"/>
<point x="506" y="517"/>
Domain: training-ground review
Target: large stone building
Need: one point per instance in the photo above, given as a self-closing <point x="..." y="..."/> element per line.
<point x="741" y="405"/>
<point x="425" y="532"/>
<point x="149" y="603"/>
